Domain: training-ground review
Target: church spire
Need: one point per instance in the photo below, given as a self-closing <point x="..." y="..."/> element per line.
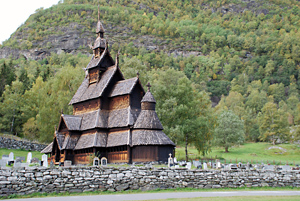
<point x="99" y="29"/>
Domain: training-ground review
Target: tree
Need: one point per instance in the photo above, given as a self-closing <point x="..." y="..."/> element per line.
<point x="185" y="113"/>
<point x="273" y="123"/>
<point x="229" y="130"/>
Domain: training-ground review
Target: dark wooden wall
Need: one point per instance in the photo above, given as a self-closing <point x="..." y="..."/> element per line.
<point x="105" y="99"/>
<point x="119" y="102"/>
<point x="136" y="97"/>
<point x="87" y="106"/>
<point x="144" y="153"/>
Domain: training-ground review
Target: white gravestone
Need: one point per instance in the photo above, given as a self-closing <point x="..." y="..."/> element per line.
<point x="189" y="165"/>
<point x="29" y="157"/>
<point x="170" y="161"/>
<point x="204" y="166"/>
<point x="218" y="164"/>
<point x="45" y="160"/>
<point x="67" y="163"/>
<point x="96" y="161"/>
<point x="103" y="161"/>
<point x="11" y="156"/>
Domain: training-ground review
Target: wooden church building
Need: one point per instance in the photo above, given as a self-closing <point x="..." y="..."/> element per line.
<point x="112" y="116"/>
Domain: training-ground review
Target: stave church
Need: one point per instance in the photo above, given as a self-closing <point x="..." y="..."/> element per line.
<point x="112" y="117"/>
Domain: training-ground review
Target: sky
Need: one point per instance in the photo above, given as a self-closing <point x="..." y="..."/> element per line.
<point x="13" y="13"/>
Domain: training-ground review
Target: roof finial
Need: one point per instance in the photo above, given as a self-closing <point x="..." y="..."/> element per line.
<point x="148" y="85"/>
<point x="138" y="74"/>
<point x="62" y="111"/>
<point x="55" y="127"/>
<point x="117" y="58"/>
<point x="98" y="13"/>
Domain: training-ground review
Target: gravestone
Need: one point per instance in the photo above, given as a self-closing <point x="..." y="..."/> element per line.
<point x="189" y="165"/>
<point x="45" y="160"/>
<point x="20" y="159"/>
<point x="51" y="164"/>
<point x="170" y="161"/>
<point x="175" y="161"/>
<point x="218" y="164"/>
<point x="204" y="166"/>
<point x="176" y="166"/>
<point x="67" y="163"/>
<point x="10" y="158"/>
<point x="103" y="161"/>
<point x="35" y="160"/>
<point x="3" y="162"/>
<point x="24" y="165"/>
<point x="96" y="161"/>
<point x="196" y="163"/>
<point x="29" y="157"/>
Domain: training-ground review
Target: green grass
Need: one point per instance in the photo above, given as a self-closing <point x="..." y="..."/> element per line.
<point x="247" y="152"/>
<point x="246" y="198"/>
<point x="54" y="194"/>
<point x="20" y="152"/>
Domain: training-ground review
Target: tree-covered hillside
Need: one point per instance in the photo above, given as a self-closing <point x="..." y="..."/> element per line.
<point x="243" y="54"/>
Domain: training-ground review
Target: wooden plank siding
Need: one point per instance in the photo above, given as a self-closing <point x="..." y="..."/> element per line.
<point x="82" y="158"/>
<point x="118" y="157"/>
<point x="144" y="153"/>
<point x="87" y="106"/>
<point x="119" y="102"/>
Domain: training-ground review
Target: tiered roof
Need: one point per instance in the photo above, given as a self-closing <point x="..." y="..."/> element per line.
<point x="131" y="126"/>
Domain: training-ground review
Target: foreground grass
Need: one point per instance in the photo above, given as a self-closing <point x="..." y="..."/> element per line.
<point x="37" y="195"/>
<point x="255" y="152"/>
<point x="246" y="198"/>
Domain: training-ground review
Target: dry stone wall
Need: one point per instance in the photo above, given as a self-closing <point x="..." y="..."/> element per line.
<point x="20" y="144"/>
<point x="80" y="179"/>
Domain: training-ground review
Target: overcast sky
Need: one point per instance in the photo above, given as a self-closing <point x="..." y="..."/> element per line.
<point x="13" y="13"/>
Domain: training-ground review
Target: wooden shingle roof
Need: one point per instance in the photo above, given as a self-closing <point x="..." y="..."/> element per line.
<point x="148" y="97"/>
<point x="148" y="119"/>
<point x="72" y="122"/>
<point x="97" y="139"/>
<point x="60" y="138"/>
<point x="150" y="137"/>
<point x="122" y="117"/>
<point x="99" y="27"/>
<point x="99" y="42"/>
<point x="124" y="87"/>
<point x="70" y="142"/>
<point x="118" y="138"/>
<point x="95" y="90"/>
<point x="48" y="149"/>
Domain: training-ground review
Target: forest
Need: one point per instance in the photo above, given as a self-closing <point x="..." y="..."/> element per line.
<point x="246" y="69"/>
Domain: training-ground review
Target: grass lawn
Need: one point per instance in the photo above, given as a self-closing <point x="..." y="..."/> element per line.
<point x="249" y="151"/>
<point x="20" y="152"/>
<point x="246" y="198"/>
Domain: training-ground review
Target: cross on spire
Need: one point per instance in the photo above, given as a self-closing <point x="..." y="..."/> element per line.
<point x="138" y="74"/>
<point x="62" y="111"/>
<point x="148" y="85"/>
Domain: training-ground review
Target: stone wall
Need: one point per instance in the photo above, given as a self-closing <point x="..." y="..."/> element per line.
<point x="10" y="143"/>
<point x="80" y="179"/>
